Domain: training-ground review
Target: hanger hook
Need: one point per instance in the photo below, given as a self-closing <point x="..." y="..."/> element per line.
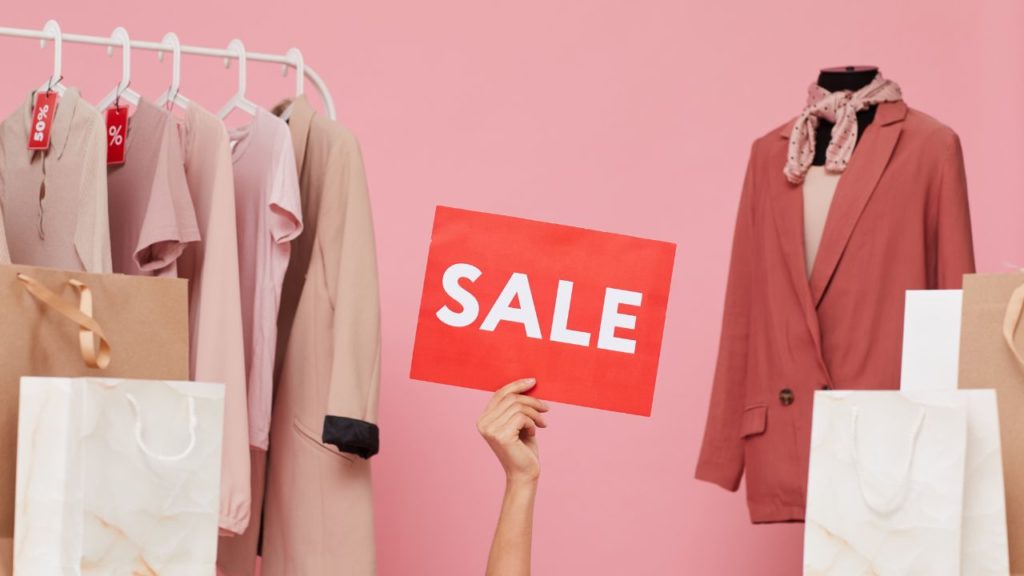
<point x="52" y="28"/>
<point x="238" y="49"/>
<point x="121" y="35"/>
<point x="172" y="41"/>
<point x="294" y="55"/>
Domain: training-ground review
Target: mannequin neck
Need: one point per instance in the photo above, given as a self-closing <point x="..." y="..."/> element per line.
<point x="850" y="78"/>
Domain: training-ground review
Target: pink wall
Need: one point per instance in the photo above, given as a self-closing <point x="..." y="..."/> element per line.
<point x="634" y="117"/>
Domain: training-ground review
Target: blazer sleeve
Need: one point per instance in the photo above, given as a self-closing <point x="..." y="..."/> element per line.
<point x="351" y="415"/>
<point x="721" y="455"/>
<point x="954" y="253"/>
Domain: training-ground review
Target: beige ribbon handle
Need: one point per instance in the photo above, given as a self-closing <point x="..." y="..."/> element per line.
<point x="94" y="345"/>
<point x="1012" y="320"/>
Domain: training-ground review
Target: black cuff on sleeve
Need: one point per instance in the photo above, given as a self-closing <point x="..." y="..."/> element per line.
<point x="351" y="435"/>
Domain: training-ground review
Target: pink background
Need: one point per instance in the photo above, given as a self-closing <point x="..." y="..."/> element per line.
<point x="633" y="117"/>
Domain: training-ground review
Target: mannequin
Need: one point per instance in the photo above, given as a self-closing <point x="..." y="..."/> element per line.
<point x="819" y="186"/>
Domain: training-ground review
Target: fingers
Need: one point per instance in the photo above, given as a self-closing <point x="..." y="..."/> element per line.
<point x="517" y="387"/>
<point x="511" y="416"/>
<point x="522" y="422"/>
<point x="510" y="413"/>
<point x="519" y="399"/>
<point x="500" y="412"/>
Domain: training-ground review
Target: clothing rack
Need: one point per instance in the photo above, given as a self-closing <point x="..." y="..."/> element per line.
<point x="52" y="32"/>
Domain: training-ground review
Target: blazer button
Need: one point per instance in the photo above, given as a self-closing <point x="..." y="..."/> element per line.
<point x="786" y="396"/>
<point x="826" y="387"/>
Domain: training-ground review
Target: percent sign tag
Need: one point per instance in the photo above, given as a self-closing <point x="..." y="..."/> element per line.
<point x="42" y="120"/>
<point x="117" y="125"/>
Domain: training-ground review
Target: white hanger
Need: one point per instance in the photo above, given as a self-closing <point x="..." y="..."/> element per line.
<point x="123" y="88"/>
<point x="173" y="94"/>
<point x="55" y="82"/>
<point x="239" y="100"/>
<point x="295" y="56"/>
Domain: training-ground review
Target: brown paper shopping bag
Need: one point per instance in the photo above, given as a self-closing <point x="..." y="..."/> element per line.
<point x="56" y="323"/>
<point x="992" y="356"/>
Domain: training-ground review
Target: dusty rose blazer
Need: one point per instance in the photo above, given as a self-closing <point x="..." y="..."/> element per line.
<point x="899" y="221"/>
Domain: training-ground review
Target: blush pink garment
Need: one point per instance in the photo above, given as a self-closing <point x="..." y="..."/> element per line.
<point x="268" y="212"/>
<point x="899" y="221"/>
<point x="237" y="555"/>
<point x="841" y="109"/>
<point x="150" y="206"/>
<point x="55" y="201"/>
<point x="215" y="304"/>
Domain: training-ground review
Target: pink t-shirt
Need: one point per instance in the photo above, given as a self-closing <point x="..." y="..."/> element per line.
<point x="151" y="212"/>
<point x="268" y="209"/>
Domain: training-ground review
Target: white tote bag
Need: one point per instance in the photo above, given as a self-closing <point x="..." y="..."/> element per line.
<point x="117" y="477"/>
<point x="931" y="348"/>
<point x="885" y="489"/>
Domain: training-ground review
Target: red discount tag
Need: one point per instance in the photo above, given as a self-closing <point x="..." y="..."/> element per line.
<point x="580" y="310"/>
<point x="42" y="120"/>
<point x="117" y="125"/>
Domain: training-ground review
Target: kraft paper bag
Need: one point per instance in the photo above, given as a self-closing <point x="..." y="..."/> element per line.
<point x="991" y="347"/>
<point x="58" y="323"/>
<point x="931" y="348"/>
<point x="118" y="477"/>
<point x="885" y="488"/>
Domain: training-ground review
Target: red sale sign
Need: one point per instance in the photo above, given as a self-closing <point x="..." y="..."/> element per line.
<point x="506" y="298"/>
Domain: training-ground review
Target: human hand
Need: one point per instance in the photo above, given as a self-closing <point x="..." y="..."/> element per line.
<point x="509" y="425"/>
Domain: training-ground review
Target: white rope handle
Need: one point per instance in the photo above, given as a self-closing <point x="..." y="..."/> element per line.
<point x="896" y="499"/>
<point x="192" y="423"/>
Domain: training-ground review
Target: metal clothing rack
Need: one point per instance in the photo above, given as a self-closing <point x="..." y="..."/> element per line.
<point x="293" y="59"/>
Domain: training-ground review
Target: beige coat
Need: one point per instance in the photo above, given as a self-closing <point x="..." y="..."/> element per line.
<point x="318" y="506"/>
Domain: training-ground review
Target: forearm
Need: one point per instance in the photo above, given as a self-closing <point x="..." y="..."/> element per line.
<point x="510" y="551"/>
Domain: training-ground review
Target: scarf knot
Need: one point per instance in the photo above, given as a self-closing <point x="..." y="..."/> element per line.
<point x="841" y="109"/>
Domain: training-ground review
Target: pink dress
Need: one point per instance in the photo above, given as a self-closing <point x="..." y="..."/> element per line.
<point x="215" y="305"/>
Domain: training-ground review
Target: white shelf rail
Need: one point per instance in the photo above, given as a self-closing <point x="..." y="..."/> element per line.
<point x="52" y="32"/>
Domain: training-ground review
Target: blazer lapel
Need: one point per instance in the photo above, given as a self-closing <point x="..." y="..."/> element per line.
<point x="853" y="192"/>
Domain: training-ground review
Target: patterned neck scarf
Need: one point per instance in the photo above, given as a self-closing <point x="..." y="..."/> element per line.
<point x="841" y="109"/>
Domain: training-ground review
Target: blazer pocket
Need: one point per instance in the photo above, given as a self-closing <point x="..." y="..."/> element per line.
<point x="309" y="436"/>
<point x="754" y="420"/>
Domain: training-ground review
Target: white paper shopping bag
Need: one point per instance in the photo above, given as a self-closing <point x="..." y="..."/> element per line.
<point x="117" y="477"/>
<point x="931" y="339"/>
<point x="885" y="488"/>
<point x="931" y="348"/>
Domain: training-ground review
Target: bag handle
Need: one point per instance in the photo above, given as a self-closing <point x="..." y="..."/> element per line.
<point x="192" y="423"/>
<point x="93" y="343"/>
<point x="896" y="499"/>
<point x="1012" y="320"/>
